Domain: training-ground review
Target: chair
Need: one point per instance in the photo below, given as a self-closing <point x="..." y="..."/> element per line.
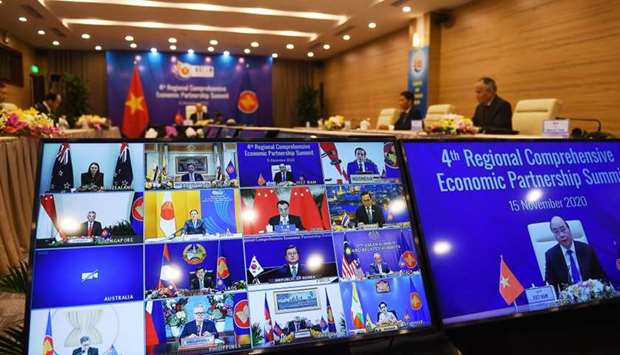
<point x="542" y="239"/>
<point x="387" y="117"/>
<point x="438" y="111"/>
<point x="528" y="115"/>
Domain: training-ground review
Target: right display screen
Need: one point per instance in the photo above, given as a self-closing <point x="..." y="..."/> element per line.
<point x="517" y="226"/>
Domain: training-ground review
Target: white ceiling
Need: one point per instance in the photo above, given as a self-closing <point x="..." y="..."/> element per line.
<point x="307" y="24"/>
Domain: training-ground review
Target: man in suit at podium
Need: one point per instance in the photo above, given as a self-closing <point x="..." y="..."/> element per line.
<point x="368" y="212"/>
<point x="284" y="218"/>
<point x="91" y="228"/>
<point x="85" y="348"/>
<point x="292" y="268"/>
<point x="492" y="111"/>
<point x="361" y="164"/>
<point x="200" y="114"/>
<point x="296" y="325"/>
<point x="283" y="175"/>
<point x="408" y="112"/>
<point x="378" y="267"/>
<point x="201" y="280"/>
<point x="384" y="314"/>
<point x="570" y="261"/>
<point x="194" y="225"/>
<point x="200" y="326"/>
<point x="191" y="175"/>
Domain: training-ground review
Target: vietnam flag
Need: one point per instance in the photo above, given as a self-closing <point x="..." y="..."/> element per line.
<point x="509" y="287"/>
<point x="256" y="218"/>
<point x="302" y="204"/>
<point x="136" y="115"/>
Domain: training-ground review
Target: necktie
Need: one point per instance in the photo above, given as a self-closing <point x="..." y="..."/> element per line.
<point x="201" y="283"/>
<point x="90" y="229"/>
<point x="369" y="213"/>
<point x="200" y="330"/>
<point x="285" y="220"/>
<point x="361" y="166"/>
<point x="194" y="224"/>
<point x="380" y="269"/>
<point x="294" y="270"/>
<point x="191" y="177"/>
<point x="573" y="266"/>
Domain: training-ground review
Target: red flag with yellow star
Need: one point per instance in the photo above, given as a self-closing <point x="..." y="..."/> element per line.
<point x="136" y="115"/>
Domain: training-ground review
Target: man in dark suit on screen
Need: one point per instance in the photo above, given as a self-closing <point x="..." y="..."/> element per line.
<point x="296" y="325"/>
<point x="378" y="267"/>
<point x="368" y="212"/>
<point x="293" y="268"/>
<point x="200" y="326"/>
<point x="284" y="218"/>
<point x="408" y="112"/>
<point x="361" y="164"/>
<point x="194" y="225"/>
<point x="570" y="261"/>
<point x="191" y="174"/>
<point x="201" y="279"/>
<point x="283" y="175"/>
<point x="492" y="111"/>
<point x="91" y="228"/>
<point x="85" y="348"/>
<point x="200" y="114"/>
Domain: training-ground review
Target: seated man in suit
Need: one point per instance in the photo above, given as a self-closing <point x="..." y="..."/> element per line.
<point x="408" y="112"/>
<point x="283" y="175"/>
<point x="85" y="348"/>
<point x="569" y="261"/>
<point x="91" y="228"/>
<point x="385" y="315"/>
<point x="201" y="280"/>
<point x="296" y="325"/>
<point x="292" y="268"/>
<point x="194" y="225"/>
<point x="492" y="111"/>
<point x="284" y="217"/>
<point x="378" y="267"/>
<point x="361" y="164"/>
<point x="368" y="212"/>
<point x="191" y="174"/>
<point x="200" y="326"/>
<point x="49" y="105"/>
<point x="200" y="114"/>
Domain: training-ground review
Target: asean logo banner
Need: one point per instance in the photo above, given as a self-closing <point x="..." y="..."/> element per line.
<point x="248" y="102"/>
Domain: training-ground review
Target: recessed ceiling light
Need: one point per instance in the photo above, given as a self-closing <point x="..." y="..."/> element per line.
<point x="241" y="60"/>
<point x="226" y="53"/>
<point x="133" y="45"/>
<point x="406" y="8"/>
<point x="274" y="55"/>
<point x="85" y="36"/>
<point x="190" y="51"/>
<point x="172" y="40"/>
<point x="129" y="38"/>
<point x="173" y="47"/>
<point x="41" y="32"/>
<point x="98" y="48"/>
<point x="22" y="19"/>
<point x="213" y="42"/>
<point x="372" y="25"/>
<point x="55" y="43"/>
<point x="153" y="50"/>
<point x="346" y="37"/>
<point x="138" y="58"/>
<point x="254" y="44"/>
<point x="211" y="49"/>
<point x="290" y="46"/>
<point x="310" y="54"/>
<point x="247" y="51"/>
<point x="326" y="46"/>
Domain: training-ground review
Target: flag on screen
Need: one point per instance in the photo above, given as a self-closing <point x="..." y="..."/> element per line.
<point x="166" y="271"/>
<point x="123" y="174"/>
<point x="408" y="260"/>
<point x="357" y="313"/>
<point x="136" y="114"/>
<point x="150" y="331"/>
<point x="261" y="180"/>
<point x="178" y="118"/>
<point x="49" y="205"/>
<point x="325" y="212"/>
<point x="230" y="170"/>
<point x="255" y="267"/>
<point x="268" y="329"/>
<point x="323" y="324"/>
<point x="247" y="102"/>
<point x="415" y="303"/>
<point x="351" y="269"/>
<point x="136" y="217"/>
<point x="48" y="340"/>
<point x="302" y="204"/>
<point x="167" y="223"/>
<point x="331" y="323"/>
<point x="391" y="161"/>
<point x="277" y="330"/>
<point x="331" y="152"/>
<point x="345" y="219"/>
<point x="265" y="206"/>
<point x="62" y="172"/>
<point x="222" y="269"/>
<point x="509" y="286"/>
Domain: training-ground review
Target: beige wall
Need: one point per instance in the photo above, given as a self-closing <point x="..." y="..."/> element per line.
<point x="22" y="95"/>
<point x="567" y="49"/>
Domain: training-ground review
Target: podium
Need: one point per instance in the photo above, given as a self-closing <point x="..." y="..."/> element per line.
<point x="198" y="342"/>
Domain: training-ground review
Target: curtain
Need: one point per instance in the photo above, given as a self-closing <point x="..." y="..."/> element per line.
<point x="288" y="77"/>
<point x="84" y="323"/>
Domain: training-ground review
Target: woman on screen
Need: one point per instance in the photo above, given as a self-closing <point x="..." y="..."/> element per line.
<point x="93" y="178"/>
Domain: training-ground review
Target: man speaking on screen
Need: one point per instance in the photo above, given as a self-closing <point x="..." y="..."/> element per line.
<point x="292" y="268"/>
<point x="361" y="164"/>
<point x="569" y="261"/>
<point x="200" y="326"/>
<point x="284" y="218"/>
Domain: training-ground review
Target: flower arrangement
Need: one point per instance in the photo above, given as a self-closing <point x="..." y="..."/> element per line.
<point x="27" y="123"/>
<point x="174" y="312"/>
<point x="586" y="291"/>
<point x="450" y="125"/>
<point x="334" y="123"/>
<point x="220" y="306"/>
<point x="93" y="121"/>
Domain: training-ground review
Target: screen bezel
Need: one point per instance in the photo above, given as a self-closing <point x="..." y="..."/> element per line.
<point x="427" y="331"/>
<point x="419" y="229"/>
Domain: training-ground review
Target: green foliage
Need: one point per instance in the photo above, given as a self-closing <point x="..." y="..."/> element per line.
<point x="306" y="104"/>
<point x="75" y="98"/>
<point x="17" y="280"/>
<point x="12" y="340"/>
<point x="122" y="228"/>
<point x="257" y="334"/>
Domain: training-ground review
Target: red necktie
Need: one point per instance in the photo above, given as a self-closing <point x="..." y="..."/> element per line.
<point x="90" y="230"/>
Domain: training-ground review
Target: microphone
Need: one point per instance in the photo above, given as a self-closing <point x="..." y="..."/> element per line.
<point x="174" y="235"/>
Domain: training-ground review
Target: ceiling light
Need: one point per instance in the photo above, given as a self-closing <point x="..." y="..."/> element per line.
<point x="274" y="55"/>
<point x="85" y="36"/>
<point x="406" y="9"/>
<point x="133" y="45"/>
<point x="129" y="38"/>
<point x="346" y="37"/>
<point x="226" y="53"/>
<point x="22" y="19"/>
<point x="153" y="50"/>
<point x="310" y="54"/>
<point x="213" y="42"/>
<point x="172" y="40"/>
<point x="241" y="60"/>
<point x="41" y="32"/>
<point x="290" y="46"/>
<point x="56" y="43"/>
<point x="326" y="46"/>
<point x="247" y="51"/>
<point x="173" y="47"/>
<point x="372" y="25"/>
<point x="254" y="44"/>
<point x="211" y="49"/>
<point x="190" y="51"/>
<point x="98" y="48"/>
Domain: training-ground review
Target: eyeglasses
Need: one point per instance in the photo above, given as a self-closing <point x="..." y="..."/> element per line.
<point x="199" y="313"/>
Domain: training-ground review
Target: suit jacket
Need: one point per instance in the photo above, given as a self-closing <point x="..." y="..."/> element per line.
<point x="404" y="121"/>
<point x="207" y="281"/>
<point x="96" y="229"/>
<point x="87" y="179"/>
<point x="285" y="271"/>
<point x="369" y="166"/>
<point x="197" y="177"/>
<point x="556" y="270"/>
<point x="390" y="311"/>
<point x="291" y="326"/>
<point x="496" y="115"/>
<point x="374" y="270"/>
<point x="91" y="351"/>
<point x="292" y="219"/>
<point x="191" y="328"/>
<point x="39" y="106"/>
<point x="188" y="227"/>
<point x="194" y="116"/>
<point x="377" y="215"/>
<point x="279" y="178"/>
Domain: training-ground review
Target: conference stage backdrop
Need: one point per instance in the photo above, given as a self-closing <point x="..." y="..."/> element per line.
<point x="417" y="77"/>
<point x="238" y="87"/>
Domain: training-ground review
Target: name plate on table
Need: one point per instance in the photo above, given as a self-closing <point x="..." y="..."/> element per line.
<point x="416" y="125"/>
<point x="283" y="228"/>
<point x="303" y="333"/>
<point x="364" y="178"/>
<point x="537" y="295"/>
<point x="556" y="128"/>
<point x="78" y="240"/>
<point x="191" y="184"/>
<point x="197" y="342"/>
<point x="368" y="226"/>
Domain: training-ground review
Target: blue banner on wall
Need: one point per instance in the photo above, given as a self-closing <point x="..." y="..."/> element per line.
<point x="417" y="78"/>
<point x="238" y="87"/>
